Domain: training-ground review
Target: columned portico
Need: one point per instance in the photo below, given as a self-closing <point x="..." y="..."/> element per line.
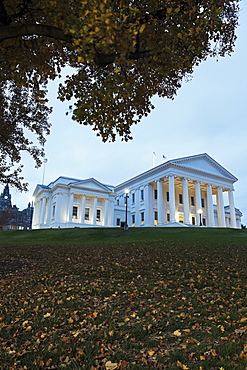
<point x="186" y="201"/>
<point x="170" y="194"/>
<point x="172" y="198"/>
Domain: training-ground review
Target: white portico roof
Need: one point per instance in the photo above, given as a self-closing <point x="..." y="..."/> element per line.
<point x="200" y="164"/>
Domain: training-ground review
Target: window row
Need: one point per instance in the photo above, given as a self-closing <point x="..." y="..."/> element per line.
<point x="75" y="213"/>
<point x="192" y="199"/>
<point x="181" y="219"/>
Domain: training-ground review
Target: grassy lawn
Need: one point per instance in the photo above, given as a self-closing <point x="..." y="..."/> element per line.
<point x="157" y="298"/>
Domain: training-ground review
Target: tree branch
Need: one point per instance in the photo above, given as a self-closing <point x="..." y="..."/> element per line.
<point x="105" y="59"/>
<point x="5" y="19"/>
<point x="10" y="32"/>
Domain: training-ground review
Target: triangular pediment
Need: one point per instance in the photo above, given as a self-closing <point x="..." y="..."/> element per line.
<point x="91" y="184"/>
<point x="39" y="188"/>
<point x="203" y="163"/>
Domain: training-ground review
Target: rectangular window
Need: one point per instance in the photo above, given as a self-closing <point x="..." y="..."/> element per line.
<point x="142" y="217"/>
<point x="155" y="194"/>
<point x="181" y="198"/>
<point x="142" y="194"/>
<point x="167" y="196"/>
<point x="75" y="212"/>
<point x="98" y="215"/>
<point x="155" y="215"/>
<point x="118" y="221"/>
<point x="86" y="213"/>
<point x="53" y="211"/>
<point x="117" y="202"/>
<point x="204" y="221"/>
<point x="133" y="198"/>
<point x="133" y="220"/>
<point x="168" y="217"/>
<point x="192" y="201"/>
<point x="193" y="220"/>
<point x="203" y="203"/>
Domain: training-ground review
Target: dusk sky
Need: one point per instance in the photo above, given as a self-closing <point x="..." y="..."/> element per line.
<point x="207" y="115"/>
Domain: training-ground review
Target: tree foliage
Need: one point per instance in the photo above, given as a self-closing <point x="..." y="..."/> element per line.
<point x="123" y="52"/>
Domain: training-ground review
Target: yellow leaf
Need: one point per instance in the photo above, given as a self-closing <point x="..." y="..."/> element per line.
<point x="111" y="332"/>
<point x="177" y="333"/>
<point x="243" y="319"/>
<point x="181" y="366"/>
<point x="111" y="365"/>
<point x="142" y="28"/>
<point x="47" y="315"/>
<point x="29" y="328"/>
<point x="151" y="353"/>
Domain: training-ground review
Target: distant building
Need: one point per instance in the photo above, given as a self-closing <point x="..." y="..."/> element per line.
<point x="187" y="191"/>
<point x="10" y="216"/>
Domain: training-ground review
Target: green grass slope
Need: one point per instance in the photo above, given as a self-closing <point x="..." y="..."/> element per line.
<point x="104" y="299"/>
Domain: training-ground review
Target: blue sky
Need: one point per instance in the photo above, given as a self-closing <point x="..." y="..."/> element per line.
<point x="207" y="115"/>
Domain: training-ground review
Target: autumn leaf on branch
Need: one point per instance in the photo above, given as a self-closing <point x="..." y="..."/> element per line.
<point x="122" y="53"/>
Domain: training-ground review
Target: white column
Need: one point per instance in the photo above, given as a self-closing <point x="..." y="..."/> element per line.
<point x="35" y="215"/>
<point x="49" y="206"/>
<point x="220" y="208"/>
<point x="83" y="203"/>
<point x="198" y="201"/>
<point x="146" y="205"/>
<point x="172" y="198"/>
<point x="232" y="209"/>
<point x="210" y="206"/>
<point x="137" y="207"/>
<point x="111" y="213"/>
<point x="42" y="213"/>
<point x="186" y="201"/>
<point x="106" y="212"/>
<point x="160" y="202"/>
<point x="94" y="210"/>
<point x="70" y="210"/>
<point x="57" y="217"/>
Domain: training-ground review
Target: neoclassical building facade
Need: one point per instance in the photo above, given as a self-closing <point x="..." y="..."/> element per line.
<point x="188" y="191"/>
<point x="69" y="202"/>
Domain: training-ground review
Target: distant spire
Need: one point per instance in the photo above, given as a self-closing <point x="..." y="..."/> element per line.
<point x="6" y="190"/>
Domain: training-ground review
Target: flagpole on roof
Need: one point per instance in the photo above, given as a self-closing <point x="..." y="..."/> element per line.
<point x="43" y="177"/>
<point x="154" y="155"/>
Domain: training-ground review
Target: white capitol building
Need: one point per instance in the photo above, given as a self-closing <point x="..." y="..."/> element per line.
<point x="188" y="191"/>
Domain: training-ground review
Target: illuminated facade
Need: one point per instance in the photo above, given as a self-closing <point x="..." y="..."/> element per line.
<point x="69" y="202"/>
<point x="188" y="191"/>
<point x="185" y="191"/>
